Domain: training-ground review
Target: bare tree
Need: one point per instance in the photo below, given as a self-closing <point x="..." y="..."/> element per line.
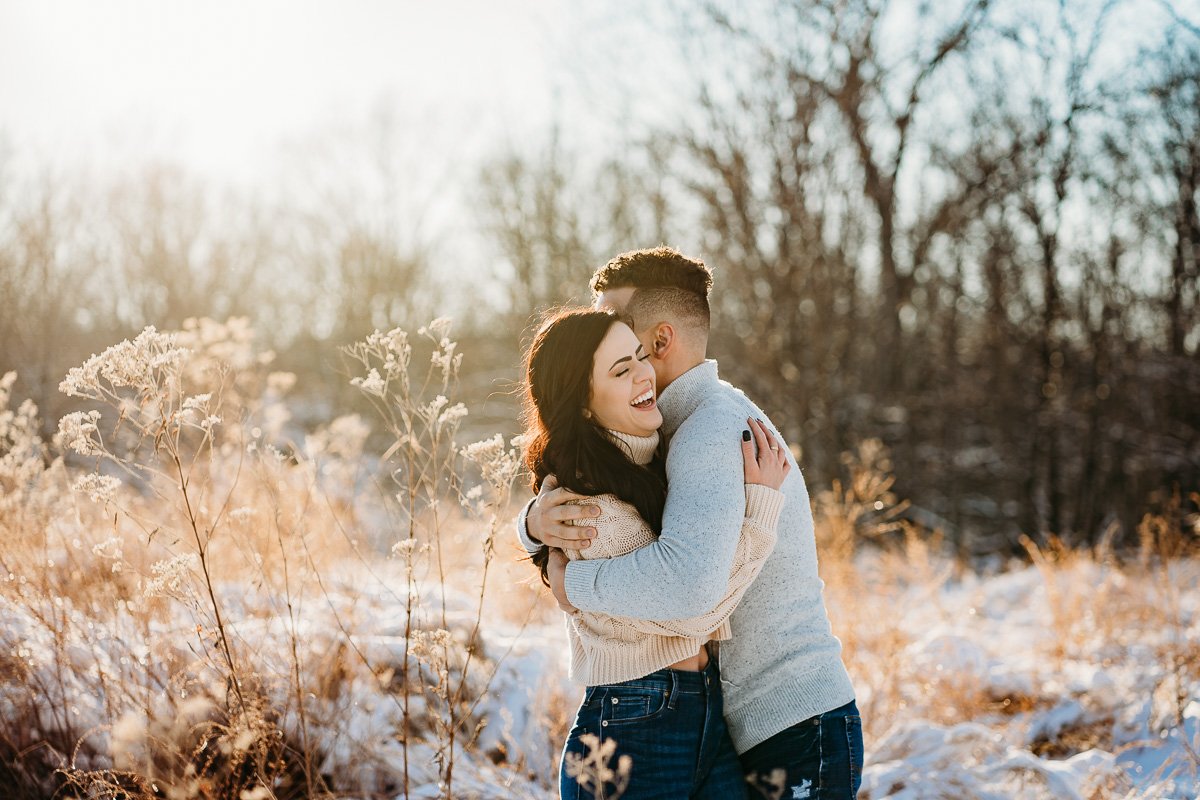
<point x="552" y="218"/>
<point x="834" y="51"/>
<point x="48" y="284"/>
<point x="969" y="163"/>
<point x="531" y="209"/>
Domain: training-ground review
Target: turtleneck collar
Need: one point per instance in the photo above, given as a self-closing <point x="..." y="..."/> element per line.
<point x="640" y="449"/>
<point x="683" y="395"/>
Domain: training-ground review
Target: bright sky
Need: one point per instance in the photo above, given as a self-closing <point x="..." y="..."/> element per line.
<point x="237" y="91"/>
<point x="218" y="84"/>
<point x="284" y="97"/>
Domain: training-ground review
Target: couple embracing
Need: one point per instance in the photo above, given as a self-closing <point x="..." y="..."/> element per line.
<point x="674" y="529"/>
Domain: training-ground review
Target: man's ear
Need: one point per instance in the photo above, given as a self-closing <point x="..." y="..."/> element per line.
<point x="663" y="340"/>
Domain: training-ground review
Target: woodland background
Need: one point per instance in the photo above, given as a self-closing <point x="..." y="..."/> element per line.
<point x="969" y="230"/>
<point x="246" y="551"/>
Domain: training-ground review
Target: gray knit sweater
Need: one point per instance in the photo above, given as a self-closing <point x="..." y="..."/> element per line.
<point x="783" y="664"/>
<point x="610" y="649"/>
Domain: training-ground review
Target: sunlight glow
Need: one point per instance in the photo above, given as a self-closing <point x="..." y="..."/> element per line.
<point x="218" y="85"/>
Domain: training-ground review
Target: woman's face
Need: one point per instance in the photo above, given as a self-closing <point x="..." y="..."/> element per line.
<point x="623" y="397"/>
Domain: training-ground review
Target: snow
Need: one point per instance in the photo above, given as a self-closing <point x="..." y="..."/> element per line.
<point x="1095" y="715"/>
<point x="1000" y="635"/>
<point x="917" y="760"/>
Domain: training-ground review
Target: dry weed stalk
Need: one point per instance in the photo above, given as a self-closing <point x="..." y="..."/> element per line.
<point x="426" y="466"/>
<point x="1166" y="538"/>
<point x="172" y="393"/>
<point x="862" y="509"/>
<point x="1066" y="601"/>
<point x="770" y="786"/>
<point x="215" y="503"/>
<point x="594" y="771"/>
<point x="868" y="596"/>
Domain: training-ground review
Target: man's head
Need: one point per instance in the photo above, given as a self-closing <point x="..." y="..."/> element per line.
<point x="666" y="295"/>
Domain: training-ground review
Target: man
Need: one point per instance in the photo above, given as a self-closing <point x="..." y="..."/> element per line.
<point x="789" y="702"/>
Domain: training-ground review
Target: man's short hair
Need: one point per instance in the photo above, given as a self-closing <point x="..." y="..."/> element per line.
<point x="666" y="283"/>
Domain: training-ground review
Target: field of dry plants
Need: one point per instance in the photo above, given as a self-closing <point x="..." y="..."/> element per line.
<point x="200" y="601"/>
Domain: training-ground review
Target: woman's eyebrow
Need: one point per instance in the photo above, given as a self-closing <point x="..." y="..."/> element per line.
<point x="626" y="358"/>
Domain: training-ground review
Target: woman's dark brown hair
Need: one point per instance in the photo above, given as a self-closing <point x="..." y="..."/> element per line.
<point x="560" y="440"/>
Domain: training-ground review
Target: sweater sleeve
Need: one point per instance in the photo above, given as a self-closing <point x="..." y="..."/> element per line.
<point x="619" y="529"/>
<point x="755" y="543"/>
<point x="530" y="544"/>
<point x="684" y="573"/>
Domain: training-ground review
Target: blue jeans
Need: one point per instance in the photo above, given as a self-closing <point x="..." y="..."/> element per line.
<point x="820" y="758"/>
<point x="669" y="726"/>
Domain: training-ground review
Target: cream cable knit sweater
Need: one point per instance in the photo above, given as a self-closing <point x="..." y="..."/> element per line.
<point x="611" y="649"/>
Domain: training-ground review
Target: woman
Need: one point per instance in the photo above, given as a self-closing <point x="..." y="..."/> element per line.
<point x="651" y="687"/>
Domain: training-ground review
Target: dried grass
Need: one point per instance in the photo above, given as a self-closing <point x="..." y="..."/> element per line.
<point x="210" y="626"/>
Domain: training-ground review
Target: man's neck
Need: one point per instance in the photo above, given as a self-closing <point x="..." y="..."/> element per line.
<point x="685" y="364"/>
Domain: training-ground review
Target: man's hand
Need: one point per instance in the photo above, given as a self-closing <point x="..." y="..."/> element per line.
<point x="556" y="571"/>
<point x="549" y="518"/>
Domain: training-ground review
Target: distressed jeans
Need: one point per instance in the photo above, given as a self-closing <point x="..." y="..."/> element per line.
<point x="820" y="758"/>
<point x="668" y="725"/>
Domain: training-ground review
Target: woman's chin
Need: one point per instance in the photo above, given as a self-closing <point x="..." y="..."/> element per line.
<point x="650" y="419"/>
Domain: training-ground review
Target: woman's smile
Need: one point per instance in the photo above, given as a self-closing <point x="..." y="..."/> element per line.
<point x="644" y="401"/>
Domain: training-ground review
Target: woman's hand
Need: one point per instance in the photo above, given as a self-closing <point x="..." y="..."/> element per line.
<point x="770" y="466"/>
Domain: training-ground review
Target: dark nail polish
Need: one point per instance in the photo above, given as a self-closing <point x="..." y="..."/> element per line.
<point x="745" y="436"/>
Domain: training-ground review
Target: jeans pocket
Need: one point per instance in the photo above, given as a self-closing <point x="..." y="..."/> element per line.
<point x="854" y="743"/>
<point x="591" y="696"/>
<point x="624" y="705"/>
<point x="840" y="756"/>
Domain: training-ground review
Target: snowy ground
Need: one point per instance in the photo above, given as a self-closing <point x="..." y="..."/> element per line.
<point x="1087" y="710"/>
<point x="1101" y="716"/>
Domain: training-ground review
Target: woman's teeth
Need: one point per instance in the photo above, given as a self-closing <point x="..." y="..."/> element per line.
<point x="643" y="400"/>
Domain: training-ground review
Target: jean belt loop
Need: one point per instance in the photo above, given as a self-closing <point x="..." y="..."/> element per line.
<point x="672" y="692"/>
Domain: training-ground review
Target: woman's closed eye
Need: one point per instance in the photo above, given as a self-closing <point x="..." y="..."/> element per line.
<point x="640" y="354"/>
<point x="625" y="370"/>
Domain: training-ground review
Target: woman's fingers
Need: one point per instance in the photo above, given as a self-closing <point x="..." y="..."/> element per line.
<point x="769" y="465"/>
<point x="776" y="443"/>
<point x="749" y="462"/>
<point x="763" y="439"/>
<point x="773" y="465"/>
